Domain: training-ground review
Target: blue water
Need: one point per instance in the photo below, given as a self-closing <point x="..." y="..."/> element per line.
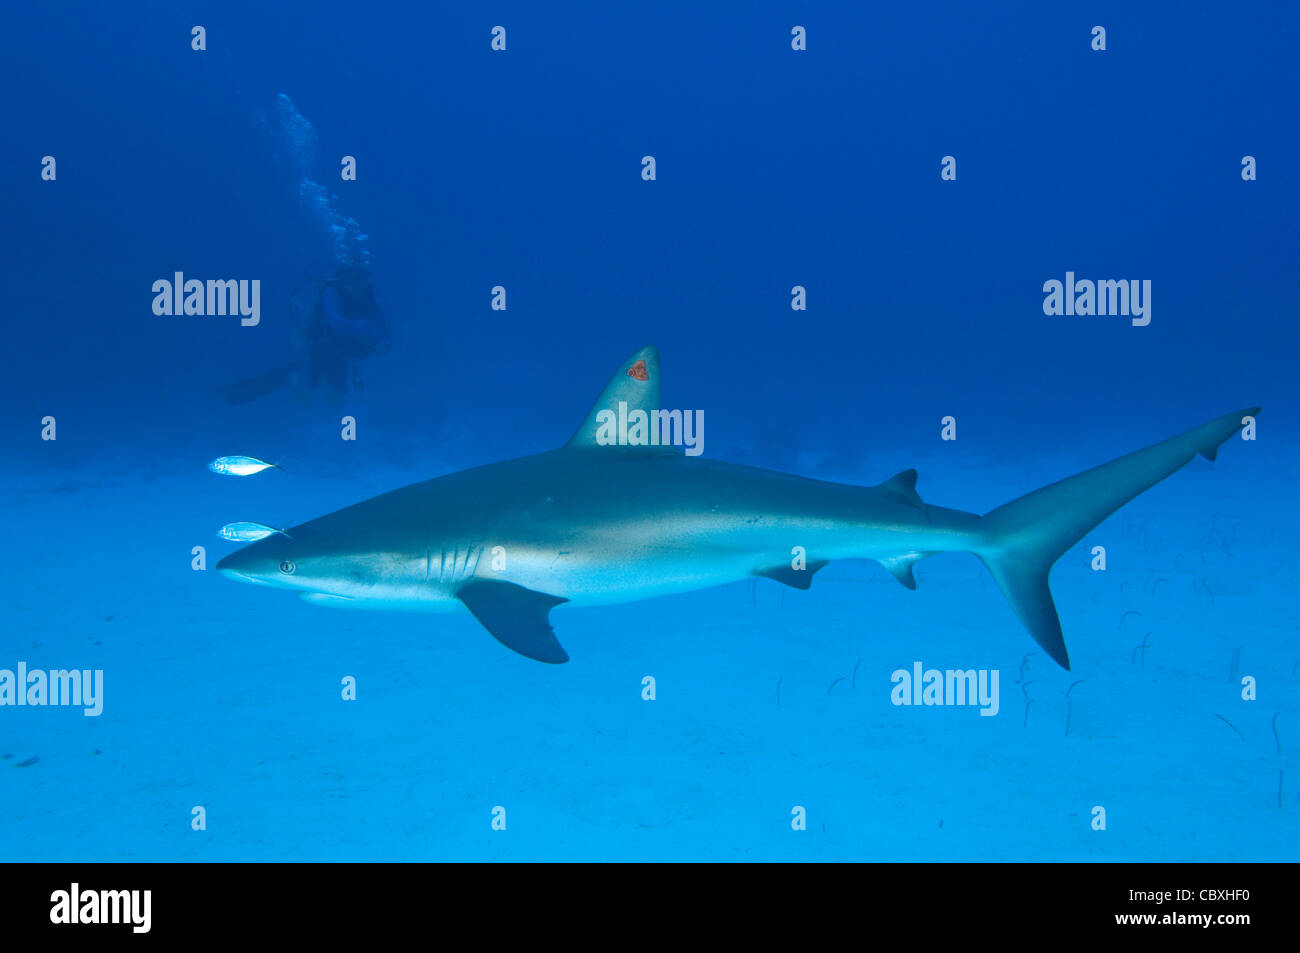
<point x="775" y="168"/>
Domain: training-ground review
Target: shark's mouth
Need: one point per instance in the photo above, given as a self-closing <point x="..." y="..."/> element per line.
<point x="325" y="598"/>
<point x="238" y="576"/>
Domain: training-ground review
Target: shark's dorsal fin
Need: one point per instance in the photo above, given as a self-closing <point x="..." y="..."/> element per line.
<point x="902" y="486"/>
<point x="635" y="383"/>
<point x="789" y="576"/>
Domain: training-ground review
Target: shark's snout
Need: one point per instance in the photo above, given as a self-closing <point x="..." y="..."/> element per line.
<point x="242" y="566"/>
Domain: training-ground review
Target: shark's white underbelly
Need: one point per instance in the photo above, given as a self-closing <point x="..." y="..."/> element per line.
<point x="623" y="571"/>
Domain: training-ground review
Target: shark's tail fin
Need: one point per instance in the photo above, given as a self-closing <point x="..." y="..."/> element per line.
<point x="1026" y="537"/>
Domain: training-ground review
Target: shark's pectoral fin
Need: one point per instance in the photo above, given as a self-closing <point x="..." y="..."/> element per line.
<point x="516" y="617"/>
<point x="789" y="576"/>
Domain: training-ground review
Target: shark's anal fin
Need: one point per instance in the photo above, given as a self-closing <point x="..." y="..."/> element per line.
<point x="789" y="576"/>
<point x="900" y="567"/>
<point x="516" y="617"/>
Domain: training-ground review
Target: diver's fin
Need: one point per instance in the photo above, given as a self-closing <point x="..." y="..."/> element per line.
<point x="900" y="567"/>
<point x="902" y="486"/>
<point x="1024" y="538"/>
<point x="516" y="617"/>
<point x="635" y="383"/>
<point x="789" y="576"/>
<point x="241" y="392"/>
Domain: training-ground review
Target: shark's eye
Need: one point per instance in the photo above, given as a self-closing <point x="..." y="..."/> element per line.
<point x="287" y="567"/>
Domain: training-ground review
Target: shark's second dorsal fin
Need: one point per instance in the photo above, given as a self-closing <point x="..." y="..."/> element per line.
<point x="902" y="486"/>
<point x="635" y="384"/>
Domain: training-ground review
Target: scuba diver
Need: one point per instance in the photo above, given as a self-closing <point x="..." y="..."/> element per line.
<point x="344" y="324"/>
<point x="345" y="327"/>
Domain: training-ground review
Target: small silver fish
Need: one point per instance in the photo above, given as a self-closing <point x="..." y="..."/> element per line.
<point x="240" y="466"/>
<point x="249" y="532"/>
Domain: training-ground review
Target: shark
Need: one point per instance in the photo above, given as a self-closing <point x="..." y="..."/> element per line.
<point x="594" y="523"/>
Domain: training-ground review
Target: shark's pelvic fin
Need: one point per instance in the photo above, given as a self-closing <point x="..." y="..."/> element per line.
<point x="516" y="617"/>
<point x="1026" y="537"/>
<point x="636" y="383"/>
<point x="795" y="578"/>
